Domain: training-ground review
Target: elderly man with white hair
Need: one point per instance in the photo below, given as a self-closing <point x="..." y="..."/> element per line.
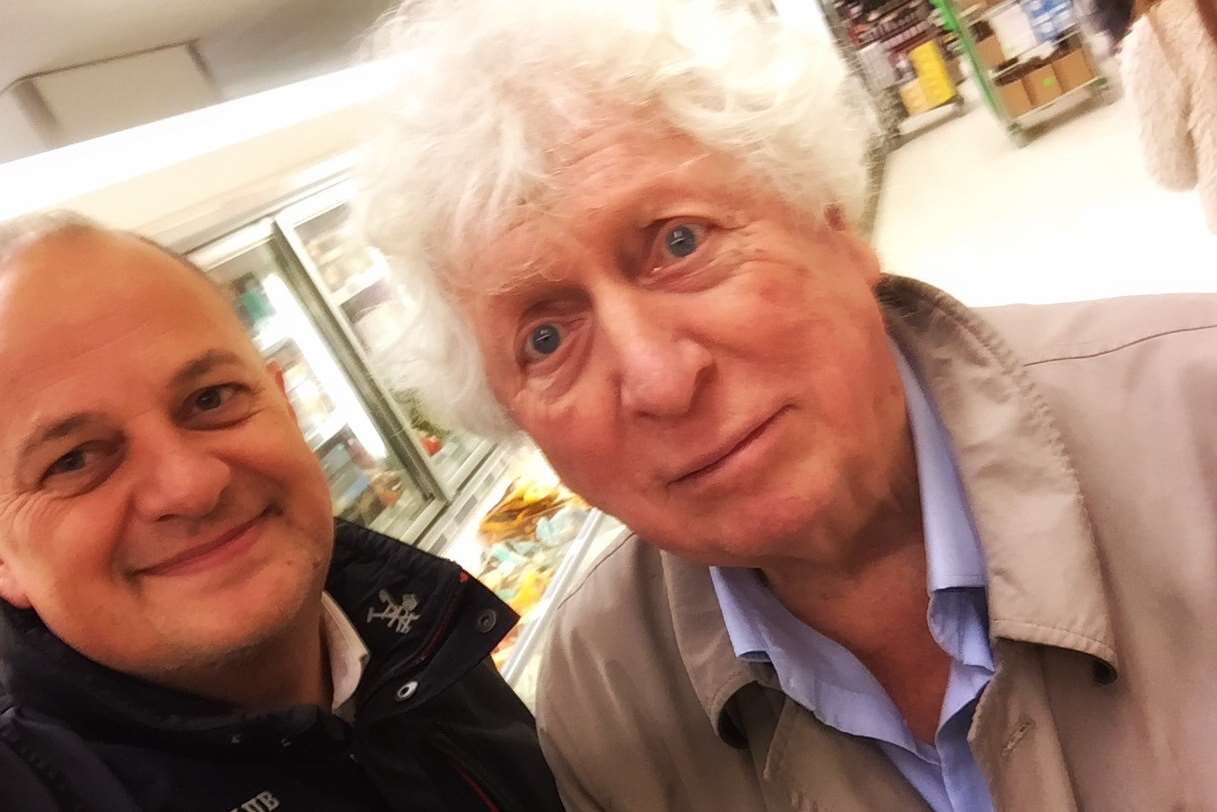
<point x="891" y="553"/>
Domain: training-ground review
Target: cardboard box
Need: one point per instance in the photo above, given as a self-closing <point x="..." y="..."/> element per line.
<point x="1042" y="85"/>
<point x="1072" y="70"/>
<point x="1014" y="98"/>
<point x="990" y="52"/>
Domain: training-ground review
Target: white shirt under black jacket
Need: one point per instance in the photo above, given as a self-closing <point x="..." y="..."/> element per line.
<point x="347" y="655"/>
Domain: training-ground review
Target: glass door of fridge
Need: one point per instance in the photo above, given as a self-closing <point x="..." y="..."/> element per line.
<point x="354" y="281"/>
<point x="369" y="484"/>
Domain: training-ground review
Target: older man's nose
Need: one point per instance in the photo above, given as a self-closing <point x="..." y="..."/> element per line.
<point x="179" y="479"/>
<point x="661" y="370"/>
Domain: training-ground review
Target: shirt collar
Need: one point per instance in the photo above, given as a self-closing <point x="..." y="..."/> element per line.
<point x="347" y="654"/>
<point x="952" y="546"/>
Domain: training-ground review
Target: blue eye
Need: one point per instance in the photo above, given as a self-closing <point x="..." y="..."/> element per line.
<point x="545" y="339"/>
<point x="681" y="241"/>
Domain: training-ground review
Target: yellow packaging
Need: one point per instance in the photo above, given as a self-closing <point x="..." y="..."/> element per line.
<point x="932" y="73"/>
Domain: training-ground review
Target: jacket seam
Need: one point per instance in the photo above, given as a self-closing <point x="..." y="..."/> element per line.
<point x="1047" y="627"/>
<point x="1132" y="343"/>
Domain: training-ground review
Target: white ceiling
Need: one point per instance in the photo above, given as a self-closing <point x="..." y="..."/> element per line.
<point x="247" y="45"/>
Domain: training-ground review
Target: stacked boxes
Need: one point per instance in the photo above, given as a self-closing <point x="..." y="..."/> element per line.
<point x="1072" y="66"/>
<point x="1041" y="82"/>
<point x="1036" y="82"/>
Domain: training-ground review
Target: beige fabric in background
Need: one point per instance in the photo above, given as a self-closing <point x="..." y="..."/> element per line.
<point x="1170" y="72"/>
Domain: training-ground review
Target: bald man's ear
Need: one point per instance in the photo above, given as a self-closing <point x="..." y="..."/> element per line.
<point x="10" y="590"/>
<point x="276" y="372"/>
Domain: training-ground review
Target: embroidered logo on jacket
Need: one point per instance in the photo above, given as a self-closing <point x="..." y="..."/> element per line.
<point x="399" y="616"/>
<point x="262" y="802"/>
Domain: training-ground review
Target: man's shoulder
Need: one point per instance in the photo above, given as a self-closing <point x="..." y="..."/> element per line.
<point x="47" y="767"/>
<point x="636" y="607"/>
<point x="624" y="579"/>
<point x="1044" y="334"/>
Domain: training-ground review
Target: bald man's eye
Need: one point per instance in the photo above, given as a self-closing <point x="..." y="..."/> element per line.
<point x="71" y="462"/>
<point x="217" y="406"/>
<point x="82" y="468"/>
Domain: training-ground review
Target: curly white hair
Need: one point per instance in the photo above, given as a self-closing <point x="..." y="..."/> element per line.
<point x="485" y="91"/>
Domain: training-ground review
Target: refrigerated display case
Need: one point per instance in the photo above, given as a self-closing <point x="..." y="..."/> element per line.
<point x="353" y="281"/>
<point x="369" y="483"/>
<point x="527" y="537"/>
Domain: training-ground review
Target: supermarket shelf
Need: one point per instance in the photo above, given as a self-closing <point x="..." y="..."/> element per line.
<point x="1045" y="47"/>
<point x="533" y="632"/>
<point x="988" y="11"/>
<point x="1034" y="116"/>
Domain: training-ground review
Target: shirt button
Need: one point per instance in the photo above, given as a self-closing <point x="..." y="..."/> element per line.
<point x="235" y="738"/>
<point x="407" y="690"/>
<point x="487" y="620"/>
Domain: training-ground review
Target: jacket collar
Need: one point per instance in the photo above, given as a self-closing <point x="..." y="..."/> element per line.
<point x="400" y="600"/>
<point x="1042" y="568"/>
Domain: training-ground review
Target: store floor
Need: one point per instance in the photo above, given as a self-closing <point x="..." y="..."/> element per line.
<point x="1071" y="216"/>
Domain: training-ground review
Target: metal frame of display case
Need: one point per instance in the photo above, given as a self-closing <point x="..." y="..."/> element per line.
<point x="288" y="221"/>
<point x="563" y="578"/>
<point x="380" y="406"/>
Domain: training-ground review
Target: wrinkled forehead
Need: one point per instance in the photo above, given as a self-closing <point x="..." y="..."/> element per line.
<point x="606" y="180"/>
<point x="102" y="303"/>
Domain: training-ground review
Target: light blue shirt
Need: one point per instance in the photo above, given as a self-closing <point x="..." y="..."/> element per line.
<point x="824" y="677"/>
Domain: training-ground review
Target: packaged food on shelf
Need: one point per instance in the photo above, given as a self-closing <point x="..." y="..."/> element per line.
<point x="524" y="537"/>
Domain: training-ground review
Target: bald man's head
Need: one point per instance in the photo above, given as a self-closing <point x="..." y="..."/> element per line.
<point x="138" y="424"/>
<point x="27" y="231"/>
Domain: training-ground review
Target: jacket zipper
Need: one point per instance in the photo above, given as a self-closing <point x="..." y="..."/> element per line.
<point x="475" y="786"/>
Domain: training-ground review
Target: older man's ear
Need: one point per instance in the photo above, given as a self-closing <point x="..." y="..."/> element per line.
<point x="860" y="253"/>
<point x="10" y="590"/>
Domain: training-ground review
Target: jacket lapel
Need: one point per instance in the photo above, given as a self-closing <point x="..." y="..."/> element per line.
<point x="1044" y="581"/>
<point x="1045" y="584"/>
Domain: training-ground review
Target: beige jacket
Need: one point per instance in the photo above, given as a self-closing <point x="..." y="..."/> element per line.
<point x="1086" y="436"/>
<point x="1169" y="67"/>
